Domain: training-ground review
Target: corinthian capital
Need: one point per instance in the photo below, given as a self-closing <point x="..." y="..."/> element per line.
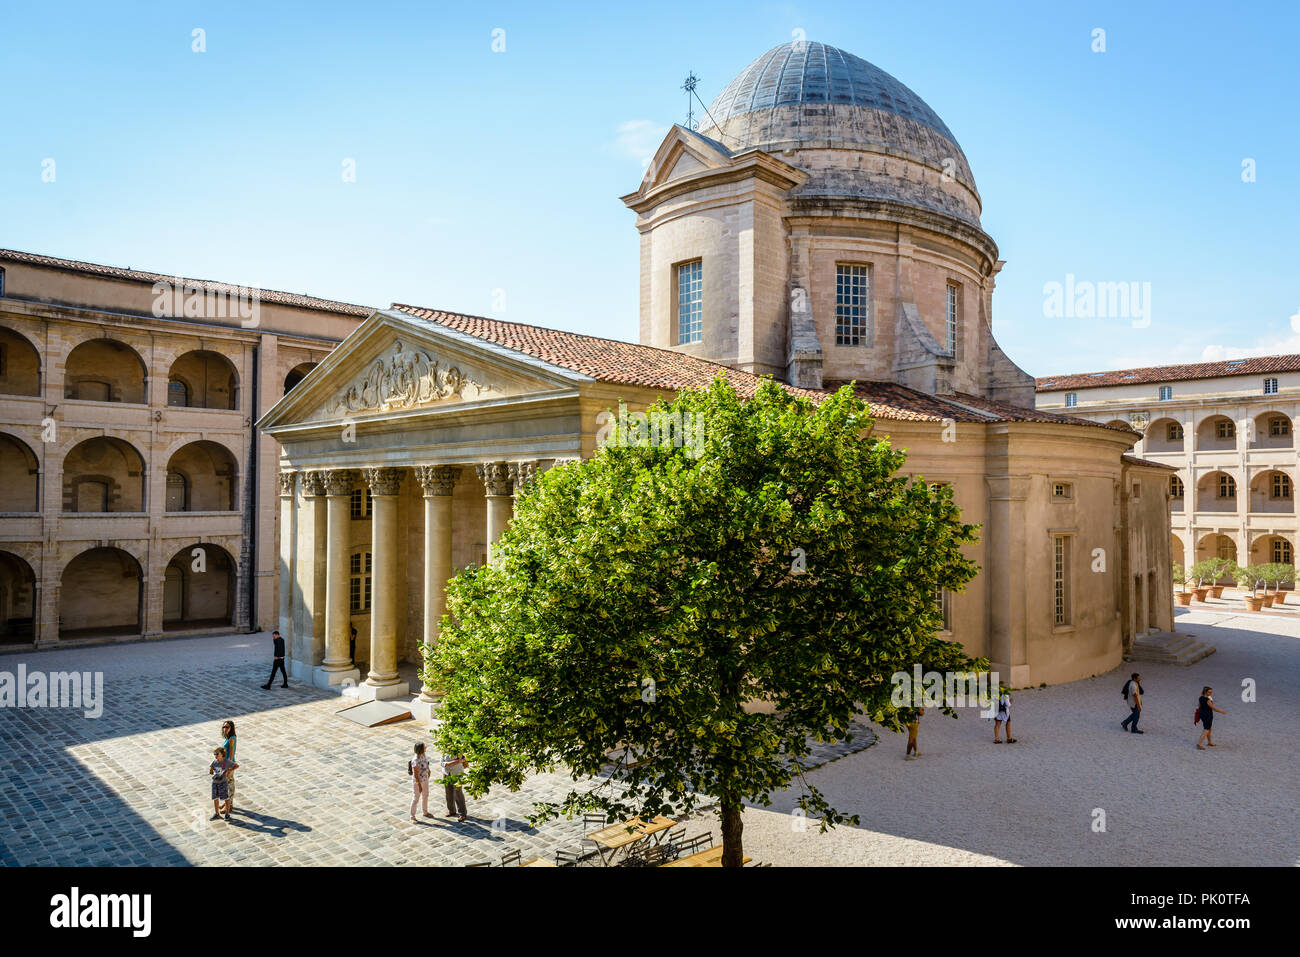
<point x="313" y="483"/>
<point x="286" y="482"/>
<point x="383" y="481"/>
<point x="339" y="481"/>
<point x="495" y="477"/>
<point x="521" y="473"/>
<point x="437" y="479"/>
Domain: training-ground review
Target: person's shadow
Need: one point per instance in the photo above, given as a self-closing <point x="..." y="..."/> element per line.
<point x="265" y="823"/>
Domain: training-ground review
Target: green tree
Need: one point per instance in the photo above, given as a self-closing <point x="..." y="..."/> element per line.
<point x="643" y="602"/>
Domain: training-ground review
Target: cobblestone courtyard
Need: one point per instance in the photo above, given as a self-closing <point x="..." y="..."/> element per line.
<point x="131" y="787"/>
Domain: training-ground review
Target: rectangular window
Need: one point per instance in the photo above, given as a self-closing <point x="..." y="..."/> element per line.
<point x="954" y="295"/>
<point x="1137" y="490"/>
<point x="690" y="302"/>
<point x="852" y="304"/>
<point x="1176" y="489"/>
<point x="1270" y="387"/>
<point x="943" y="603"/>
<point x="1061" y="579"/>
<point x="360" y="504"/>
<point x="1279" y="426"/>
<point x="1225" y="429"/>
<point x="2" y="282"/>
<point x="1282" y="551"/>
<point x="1227" y="486"/>
<point x="1281" y="485"/>
<point x="1062" y="490"/>
<point x="1166" y="393"/>
<point x="1175" y="432"/>
<point x="1071" y="400"/>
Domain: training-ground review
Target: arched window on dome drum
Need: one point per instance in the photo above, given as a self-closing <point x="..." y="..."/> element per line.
<point x="852" y="304"/>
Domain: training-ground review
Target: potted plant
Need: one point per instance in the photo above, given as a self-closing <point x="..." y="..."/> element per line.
<point x="1199" y="573"/>
<point x="1246" y="583"/>
<point x="1182" y="597"/>
<point x="1285" y="576"/>
<point x="1219" y="567"/>
<point x="1265" y="573"/>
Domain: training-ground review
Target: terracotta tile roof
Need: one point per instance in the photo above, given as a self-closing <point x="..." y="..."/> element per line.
<point x="892" y="401"/>
<point x="1147" y="463"/>
<point x="606" y="360"/>
<point x="1177" y="373"/>
<point x="136" y="275"/>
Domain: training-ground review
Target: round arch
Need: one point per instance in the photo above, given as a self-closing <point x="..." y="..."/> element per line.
<point x="103" y="474"/>
<point x="20" y="364"/>
<point x="201" y="477"/>
<point x="1272" y="493"/>
<point x="104" y="370"/>
<point x="19" y="475"/>
<point x="1272" y="547"/>
<point x="1164" y="435"/>
<point x="297" y="374"/>
<point x="199" y="588"/>
<point x="1216" y="545"/>
<point x="1272" y="430"/>
<point x="203" y="379"/>
<point x="17" y="600"/>
<point x="1217" y="491"/>
<point x="100" y="594"/>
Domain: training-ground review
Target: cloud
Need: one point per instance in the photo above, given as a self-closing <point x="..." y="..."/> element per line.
<point x="1283" y="345"/>
<point x="638" y="139"/>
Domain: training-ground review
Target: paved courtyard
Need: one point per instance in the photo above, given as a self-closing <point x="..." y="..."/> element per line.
<point x="131" y="787"/>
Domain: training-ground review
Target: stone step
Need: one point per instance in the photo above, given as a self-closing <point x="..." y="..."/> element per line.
<point x="1167" y="647"/>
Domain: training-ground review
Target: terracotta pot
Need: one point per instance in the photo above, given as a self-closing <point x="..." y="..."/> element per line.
<point x="1267" y="600"/>
<point x="1279" y="598"/>
<point x="1183" y="598"/>
<point x="1253" y="603"/>
<point x="1217" y="590"/>
<point x="1200" y="593"/>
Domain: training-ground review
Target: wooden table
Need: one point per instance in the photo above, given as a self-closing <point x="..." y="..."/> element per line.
<point x="537" y="862"/>
<point x="618" y="837"/>
<point x="710" y="858"/>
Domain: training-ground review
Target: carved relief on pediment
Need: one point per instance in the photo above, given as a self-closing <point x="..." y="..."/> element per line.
<point x="405" y="378"/>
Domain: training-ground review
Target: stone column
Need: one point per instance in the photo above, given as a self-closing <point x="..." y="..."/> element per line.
<point x="288" y="539"/>
<point x="438" y="482"/>
<point x="383" y="682"/>
<point x="500" y="506"/>
<point x="313" y="567"/>
<point x="338" y="667"/>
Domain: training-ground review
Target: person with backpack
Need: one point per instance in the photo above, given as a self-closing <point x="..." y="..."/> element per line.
<point x="1205" y="710"/>
<point x="418" y="768"/>
<point x="1133" y="695"/>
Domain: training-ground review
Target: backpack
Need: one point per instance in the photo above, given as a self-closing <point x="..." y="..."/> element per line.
<point x="409" y="769"/>
<point x="1124" y="692"/>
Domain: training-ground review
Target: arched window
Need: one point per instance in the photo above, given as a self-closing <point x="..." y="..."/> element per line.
<point x="178" y="393"/>
<point x="359" y="585"/>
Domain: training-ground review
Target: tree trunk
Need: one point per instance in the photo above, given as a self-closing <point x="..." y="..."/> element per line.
<point x="733" y="852"/>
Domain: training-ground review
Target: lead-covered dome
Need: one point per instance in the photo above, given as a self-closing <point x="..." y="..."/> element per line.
<point x="810" y="97"/>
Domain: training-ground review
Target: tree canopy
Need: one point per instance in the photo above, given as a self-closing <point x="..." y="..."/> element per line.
<point x="671" y="622"/>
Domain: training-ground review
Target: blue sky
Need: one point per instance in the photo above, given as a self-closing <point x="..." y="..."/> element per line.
<point x="479" y="171"/>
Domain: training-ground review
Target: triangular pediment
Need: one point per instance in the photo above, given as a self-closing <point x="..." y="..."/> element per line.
<point x="397" y="365"/>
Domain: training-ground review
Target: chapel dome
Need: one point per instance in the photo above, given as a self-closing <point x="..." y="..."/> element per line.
<point x="810" y="97"/>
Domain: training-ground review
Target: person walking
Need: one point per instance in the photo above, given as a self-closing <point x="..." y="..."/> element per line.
<point x="278" y="664"/>
<point x="1003" y="717"/>
<point x="228" y="743"/>
<point x="1133" y="695"/>
<point x="418" y="768"/>
<point x="1205" y="711"/>
<point x="352" y="643"/>
<point x="912" y="718"/>
<point x="453" y="766"/>
<point x="220" y="787"/>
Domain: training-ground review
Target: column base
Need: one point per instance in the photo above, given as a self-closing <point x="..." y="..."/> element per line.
<point x="322" y="678"/>
<point x="369" y="692"/>
<point x="424" y="710"/>
<point x="300" y="670"/>
<point x="1013" y="676"/>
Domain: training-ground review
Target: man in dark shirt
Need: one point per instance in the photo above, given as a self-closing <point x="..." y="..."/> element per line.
<point x="279" y="662"/>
